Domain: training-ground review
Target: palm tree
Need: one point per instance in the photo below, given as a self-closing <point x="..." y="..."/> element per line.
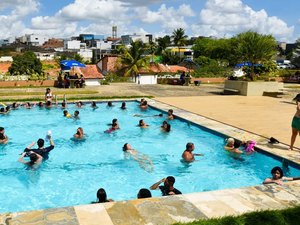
<point x="163" y="43"/>
<point x="133" y="59"/>
<point x="179" y="38"/>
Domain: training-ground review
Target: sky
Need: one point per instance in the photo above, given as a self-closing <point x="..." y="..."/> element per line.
<point x="218" y="18"/>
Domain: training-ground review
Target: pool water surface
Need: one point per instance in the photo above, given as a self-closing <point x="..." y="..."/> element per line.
<point x="75" y="170"/>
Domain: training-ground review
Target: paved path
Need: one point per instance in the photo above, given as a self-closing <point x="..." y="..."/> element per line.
<point x="266" y="116"/>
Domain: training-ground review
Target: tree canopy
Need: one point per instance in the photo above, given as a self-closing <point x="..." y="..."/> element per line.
<point x="133" y="58"/>
<point x="25" y="64"/>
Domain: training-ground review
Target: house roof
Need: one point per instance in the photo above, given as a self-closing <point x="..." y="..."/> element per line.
<point x="4" y="67"/>
<point x="161" y="68"/>
<point x="91" y="72"/>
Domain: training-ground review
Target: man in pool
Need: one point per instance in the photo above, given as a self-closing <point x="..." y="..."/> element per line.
<point x="41" y="150"/>
<point x="188" y="155"/>
<point x="167" y="188"/>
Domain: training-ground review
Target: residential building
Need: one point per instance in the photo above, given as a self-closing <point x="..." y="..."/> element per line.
<point x="33" y="39"/>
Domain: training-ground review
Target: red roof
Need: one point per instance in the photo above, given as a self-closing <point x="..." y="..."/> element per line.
<point x="161" y="68"/>
<point x="91" y="72"/>
<point x="4" y="67"/>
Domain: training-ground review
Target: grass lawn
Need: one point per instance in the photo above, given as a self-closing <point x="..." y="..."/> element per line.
<point x="290" y="216"/>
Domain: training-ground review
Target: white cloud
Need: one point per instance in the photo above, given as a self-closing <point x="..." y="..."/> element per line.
<point x="226" y="18"/>
<point x="168" y="18"/>
<point x="17" y="10"/>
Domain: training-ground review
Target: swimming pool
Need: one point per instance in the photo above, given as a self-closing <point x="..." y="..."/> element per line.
<point x="75" y="170"/>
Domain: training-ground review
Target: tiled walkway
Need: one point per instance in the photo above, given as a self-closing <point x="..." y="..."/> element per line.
<point x="183" y="208"/>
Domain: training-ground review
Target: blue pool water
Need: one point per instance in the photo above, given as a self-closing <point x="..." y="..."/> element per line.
<point x="75" y="170"/>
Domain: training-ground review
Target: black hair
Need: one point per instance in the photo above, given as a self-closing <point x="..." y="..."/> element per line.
<point x="140" y="122"/>
<point x="277" y="168"/>
<point x="77" y="112"/>
<point x="1" y="128"/>
<point x="101" y="195"/>
<point x="114" y="121"/>
<point x="168" y="129"/>
<point x="33" y="158"/>
<point x="189" y="145"/>
<point x="171" y="111"/>
<point x="2" y="110"/>
<point x="237" y="144"/>
<point x="109" y="103"/>
<point x="40" y="142"/>
<point x="171" y="179"/>
<point x="144" y="193"/>
<point x="125" y="147"/>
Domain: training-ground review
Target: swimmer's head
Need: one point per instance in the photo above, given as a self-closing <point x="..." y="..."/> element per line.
<point x="40" y="142"/>
<point x="230" y="141"/>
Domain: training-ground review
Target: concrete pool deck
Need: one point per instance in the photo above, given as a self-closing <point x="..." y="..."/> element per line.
<point x="180" y="208"/>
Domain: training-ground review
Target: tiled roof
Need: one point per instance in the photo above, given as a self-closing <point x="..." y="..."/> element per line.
<point x="161" y="68"/>
<point x="91" y="72"/>
<point x="4" y="67"/>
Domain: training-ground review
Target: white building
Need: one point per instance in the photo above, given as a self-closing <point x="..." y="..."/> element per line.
<point x="86" y="54"/>
<point x="72" y="45"/>
<point x="33" y="39"/>
<point x="145" y="38"/>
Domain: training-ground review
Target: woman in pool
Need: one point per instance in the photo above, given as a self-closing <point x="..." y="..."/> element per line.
<point x="277" y="177"/>
<point x="143" y="160"/>
<point x="35" y="159"/>
<point x="142" y="124"/>
<point x="123" y="106"/>
<point x="102" y="197"/>
<point x="79" y="134"/>
<point x="232" y="146"/>
<point x="166" y="127"/>
<point x="94" y="105"/>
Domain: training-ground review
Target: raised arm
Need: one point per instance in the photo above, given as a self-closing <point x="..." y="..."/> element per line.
<point x="156" y="185"/>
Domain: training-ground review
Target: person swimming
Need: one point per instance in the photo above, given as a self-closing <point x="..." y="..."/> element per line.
<point x="142" y="124"/>
<point x="143" y="160"/>
<point x="67" y="114"/>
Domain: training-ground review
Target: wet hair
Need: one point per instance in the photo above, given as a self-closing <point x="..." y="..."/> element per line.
<point x="48" y="103"/>
<point x="33" y="158"/>
<point x="7" y="108"/>
<point x="1" y="128"/>
<point x="2" y="110"/>
<point x="63" y="104"/>
<point x="40" y="104"/>
<point x="140" y="122"/>
<point x="125" y="147"/>
<point x="297" y="98"/>
<point x="277" y="168"/>
<point x="144" y="103"/>
<point x="189" y="145"/>
<point x="123" y="106"/>
<point x="168" y="129"/>
<point x="171" y="180"/>
<point x="40" y="142"/>
<point x="14" y="105"/>
<point x="114" y="121"/>
<point x="171" y="111"/>
<point x="237" y="144"/>
<point x="94" y="103"/>
<point x="101" y="195"/>
<point x="76" y="112"/>
<point x="109" y="103"/>
<point x="144" y="193"/>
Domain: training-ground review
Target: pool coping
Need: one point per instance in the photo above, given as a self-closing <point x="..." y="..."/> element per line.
<point x="180" y="208"/>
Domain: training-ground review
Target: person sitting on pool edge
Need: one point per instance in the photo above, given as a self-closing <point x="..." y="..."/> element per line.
<point x="167" y="188"/>
<point x="277" y="177"/>
<point x="102" y="196"/>
<point x="144" y="193"/>
<point x="188" y="155"/>
<point x="41" y="150"/>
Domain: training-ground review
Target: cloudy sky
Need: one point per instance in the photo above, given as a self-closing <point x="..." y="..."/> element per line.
<point x="220" y="18"/>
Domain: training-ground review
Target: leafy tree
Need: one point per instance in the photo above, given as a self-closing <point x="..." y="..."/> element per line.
<point x="296" y="54"/>
<point x="255" y="48"/>
<point x="25" y="64"/>
<point x="133" y="59"/>
<point x="163" y="43"/>
<point x="179" y="38"/>
<point x="168" y="58"/>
